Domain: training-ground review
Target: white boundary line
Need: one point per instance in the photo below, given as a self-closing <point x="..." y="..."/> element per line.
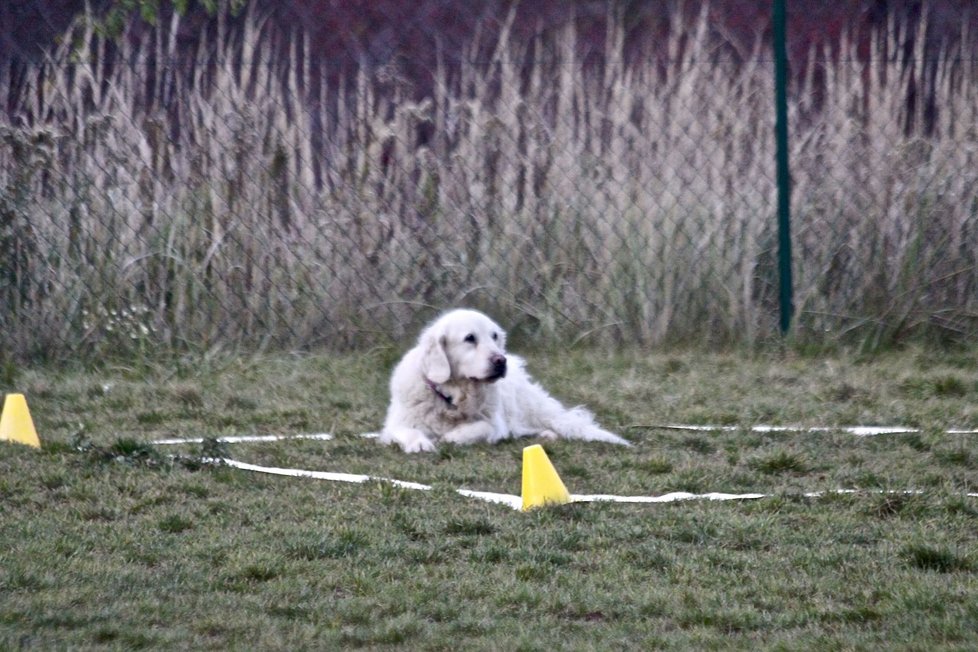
<point x="516" y="502"/>
<point x="322" y="436"/>
<point x="859" y="431"/>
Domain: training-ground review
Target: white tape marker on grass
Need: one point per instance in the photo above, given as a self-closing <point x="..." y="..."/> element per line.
<point x="859" y="431"/>
<point x="239" y="439"/>
<point x="316" y="475"/>
<point x="665" y="498"/>
<point x="515" y="502"/>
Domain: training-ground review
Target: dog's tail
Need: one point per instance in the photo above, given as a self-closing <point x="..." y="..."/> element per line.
<point x="534" y="412"/>
<point x="578" y="423"/>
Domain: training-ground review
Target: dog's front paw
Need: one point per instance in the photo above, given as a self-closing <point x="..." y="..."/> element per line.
<point x="469" y="433"/>
<point x="420" y="445"/>
<point x="410" y="440"/>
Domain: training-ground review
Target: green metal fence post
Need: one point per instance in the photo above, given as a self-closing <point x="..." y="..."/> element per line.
<point x="785" y="293"/>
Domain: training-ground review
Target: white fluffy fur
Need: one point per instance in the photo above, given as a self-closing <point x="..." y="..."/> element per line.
<point x="448" y="389"/>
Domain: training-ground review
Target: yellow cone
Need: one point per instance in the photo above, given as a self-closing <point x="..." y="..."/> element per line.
<point x="16" y="423"/>
<point x="541" y="484"/>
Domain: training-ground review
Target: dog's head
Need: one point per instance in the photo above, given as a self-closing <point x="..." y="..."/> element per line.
<point x="463" y="345"/>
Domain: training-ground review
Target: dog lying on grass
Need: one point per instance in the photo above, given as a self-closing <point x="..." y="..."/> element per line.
<point x="458" y="385"/>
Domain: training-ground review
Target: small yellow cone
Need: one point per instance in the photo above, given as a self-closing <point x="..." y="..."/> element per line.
<point x="541" y="484"/>
<point x="16" y="423"/>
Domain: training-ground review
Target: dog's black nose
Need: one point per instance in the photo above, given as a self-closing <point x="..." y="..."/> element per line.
<point x="498" y="365"/>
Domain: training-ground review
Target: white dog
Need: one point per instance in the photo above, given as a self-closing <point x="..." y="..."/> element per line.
<point x="458" y="385"/>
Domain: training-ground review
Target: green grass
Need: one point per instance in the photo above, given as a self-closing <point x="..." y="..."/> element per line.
<point x="106" y="542"/>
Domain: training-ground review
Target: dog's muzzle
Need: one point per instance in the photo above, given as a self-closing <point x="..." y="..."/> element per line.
<point x="497" y="367"/>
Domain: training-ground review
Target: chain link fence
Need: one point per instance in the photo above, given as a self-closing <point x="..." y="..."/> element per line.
<point x="234" y="195"/>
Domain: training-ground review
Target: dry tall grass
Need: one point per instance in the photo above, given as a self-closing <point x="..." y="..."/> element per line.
<point x="147" y="205"/>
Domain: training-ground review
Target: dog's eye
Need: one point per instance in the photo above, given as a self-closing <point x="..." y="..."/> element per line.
<point x="470" y="338"/>
<point x="495" y="336"/>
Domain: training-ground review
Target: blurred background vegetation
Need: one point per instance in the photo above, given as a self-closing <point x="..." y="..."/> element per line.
<point x="209" y="176"/>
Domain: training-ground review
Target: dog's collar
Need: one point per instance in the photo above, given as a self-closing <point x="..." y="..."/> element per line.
<point x="440" y="394"/>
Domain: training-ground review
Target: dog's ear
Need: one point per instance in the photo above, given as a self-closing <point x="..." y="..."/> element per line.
<point x="434" y="360"/>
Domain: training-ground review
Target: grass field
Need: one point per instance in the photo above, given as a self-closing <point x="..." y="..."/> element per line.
<point x="106" y="542"/>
